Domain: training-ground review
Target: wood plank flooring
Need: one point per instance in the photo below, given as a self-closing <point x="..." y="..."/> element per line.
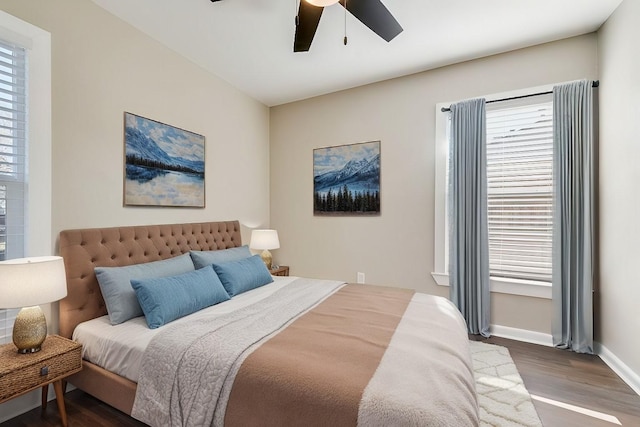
<point x="580" y="380"/>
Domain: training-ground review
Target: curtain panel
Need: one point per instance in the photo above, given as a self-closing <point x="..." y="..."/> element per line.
<point x="467" y="211"/>
<point x="573" y="221"/>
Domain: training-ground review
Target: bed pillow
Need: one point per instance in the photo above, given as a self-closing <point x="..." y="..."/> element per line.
<point x="202" y="258"/>
<point x="115" y="284"/>
<point x="166" y="299"/>
<point x="243" y="275"/>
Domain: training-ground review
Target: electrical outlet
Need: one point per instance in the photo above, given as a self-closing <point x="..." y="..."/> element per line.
<point x="360" y="277"/>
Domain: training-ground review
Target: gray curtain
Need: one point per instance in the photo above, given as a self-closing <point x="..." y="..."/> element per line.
<point x="573" y="220"/>
<point x="468" y="229"/>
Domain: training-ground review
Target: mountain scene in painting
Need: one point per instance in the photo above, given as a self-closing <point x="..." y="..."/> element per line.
<point x="164" y="165"/>
<point x="148" y="160"/>
<point x="347" y="179"/>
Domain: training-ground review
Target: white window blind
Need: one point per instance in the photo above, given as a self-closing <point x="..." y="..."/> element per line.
<point x="520" y="188"/>
<point x="13" y="177"/>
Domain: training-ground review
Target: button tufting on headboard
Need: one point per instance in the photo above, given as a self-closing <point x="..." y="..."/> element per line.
<point x="85" y="249"/>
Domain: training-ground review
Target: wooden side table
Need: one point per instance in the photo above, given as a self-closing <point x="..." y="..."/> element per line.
<point x="282" y="270"/>
<point x="22" y="373"/>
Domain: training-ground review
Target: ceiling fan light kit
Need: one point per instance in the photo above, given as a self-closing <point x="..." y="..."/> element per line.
<point x="322" y="3"/>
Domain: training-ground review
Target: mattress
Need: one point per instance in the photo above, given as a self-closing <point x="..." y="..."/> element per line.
<point x="120" y="348"/>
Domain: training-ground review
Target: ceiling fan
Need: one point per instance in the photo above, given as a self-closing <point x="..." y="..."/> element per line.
<point x="371" y="13"/>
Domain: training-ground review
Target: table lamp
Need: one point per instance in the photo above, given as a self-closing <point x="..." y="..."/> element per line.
<point x="265" y="240"/>
<point x="25" y="283"/>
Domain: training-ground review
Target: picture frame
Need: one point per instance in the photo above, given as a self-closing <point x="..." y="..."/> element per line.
<point x="346" y="179"/>
<point x="163" y="165"/>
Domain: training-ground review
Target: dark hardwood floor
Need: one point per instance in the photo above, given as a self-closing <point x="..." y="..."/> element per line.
<point x="568" y="378"/>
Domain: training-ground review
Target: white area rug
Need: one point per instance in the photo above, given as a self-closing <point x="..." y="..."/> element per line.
<point x="503" y="399"/>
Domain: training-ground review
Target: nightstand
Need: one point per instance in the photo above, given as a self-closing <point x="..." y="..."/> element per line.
<point x="283" y="270"/>
<point x="22" y="373"/>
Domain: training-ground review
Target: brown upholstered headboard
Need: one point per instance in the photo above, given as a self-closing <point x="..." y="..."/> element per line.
<point x="85" y="249"/>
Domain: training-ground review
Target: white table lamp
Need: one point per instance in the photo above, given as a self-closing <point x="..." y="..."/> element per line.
<point x="25" y="283"/>
<point x="265" y="240"/>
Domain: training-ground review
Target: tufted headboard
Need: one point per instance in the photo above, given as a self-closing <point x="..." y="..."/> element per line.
<point x="85" y="249"/>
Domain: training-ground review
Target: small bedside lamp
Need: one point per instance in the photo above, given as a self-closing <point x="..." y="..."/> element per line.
<point x="25" y="283"/>
<point x="265" y="239"/>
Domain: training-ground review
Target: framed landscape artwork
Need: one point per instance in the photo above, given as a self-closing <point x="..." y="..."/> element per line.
<point x="346" y="179"/>
<point x="164" y="165"/>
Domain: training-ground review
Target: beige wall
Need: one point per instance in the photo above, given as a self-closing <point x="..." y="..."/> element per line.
<point x="619" y="195"/>
<point x="397" y="247"/>
<point x="102" y="67"/>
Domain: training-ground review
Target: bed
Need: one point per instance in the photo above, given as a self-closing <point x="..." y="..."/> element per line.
<point x="295" y="351"/>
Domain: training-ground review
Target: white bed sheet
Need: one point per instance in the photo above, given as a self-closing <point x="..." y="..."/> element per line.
<point x="119" y="348"/>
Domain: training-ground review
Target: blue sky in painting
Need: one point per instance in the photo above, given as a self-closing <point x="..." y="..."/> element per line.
<point x="175" y="142"/>
<point x="334" y="158"/>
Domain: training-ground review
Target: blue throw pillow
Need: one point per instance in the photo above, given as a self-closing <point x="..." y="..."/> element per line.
<point x="115" y="284"/>
<point x="243" y="275"/>
<point x="202" y="258"/>
<point x="166" y="299"/>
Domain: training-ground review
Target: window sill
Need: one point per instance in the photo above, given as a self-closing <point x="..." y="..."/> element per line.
<point x="506" y="286"/>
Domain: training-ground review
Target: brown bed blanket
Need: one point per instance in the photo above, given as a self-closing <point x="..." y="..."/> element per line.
<point x="314" y="353"/>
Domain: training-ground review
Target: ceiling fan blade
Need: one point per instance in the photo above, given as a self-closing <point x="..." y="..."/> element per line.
<point x="306" y="25"/>
<point x="376" y="16"/>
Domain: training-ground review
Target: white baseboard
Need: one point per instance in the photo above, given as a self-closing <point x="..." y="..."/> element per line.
<point x="14" y="407"/>
<point x="619" y="367"/>
<point x="20" y="405"/>
<point x="532" y="337"/>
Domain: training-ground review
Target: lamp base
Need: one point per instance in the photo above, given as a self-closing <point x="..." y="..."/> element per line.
<point x="29" y="329"/>
<point x="266" y="258"/>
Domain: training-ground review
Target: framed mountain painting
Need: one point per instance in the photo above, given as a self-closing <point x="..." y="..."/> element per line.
<point x="346" y="179"/>
<point x="164" y="165"/>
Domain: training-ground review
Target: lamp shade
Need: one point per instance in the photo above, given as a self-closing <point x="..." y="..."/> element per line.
<point x="322" y="3"/>
<point x="32" y="281"/>
<point x="264" y="239"/>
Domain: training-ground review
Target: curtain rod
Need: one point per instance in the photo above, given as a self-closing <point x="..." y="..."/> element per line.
<point x="596" y="83"/>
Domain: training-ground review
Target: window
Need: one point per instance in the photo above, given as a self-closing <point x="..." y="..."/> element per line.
<point x="520" y="193"/>
<point x="12" y="149"/>
<point x="12" y="160"/>
<point x="520" y="188"/>
<point x="25" y="145"/>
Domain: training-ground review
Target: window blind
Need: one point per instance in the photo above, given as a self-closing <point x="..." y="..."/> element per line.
<point x="13" y="151"/>
<point x="520" y="188"/>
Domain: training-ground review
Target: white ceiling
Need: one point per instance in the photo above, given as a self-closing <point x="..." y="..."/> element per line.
<point x="249" y="43"/>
